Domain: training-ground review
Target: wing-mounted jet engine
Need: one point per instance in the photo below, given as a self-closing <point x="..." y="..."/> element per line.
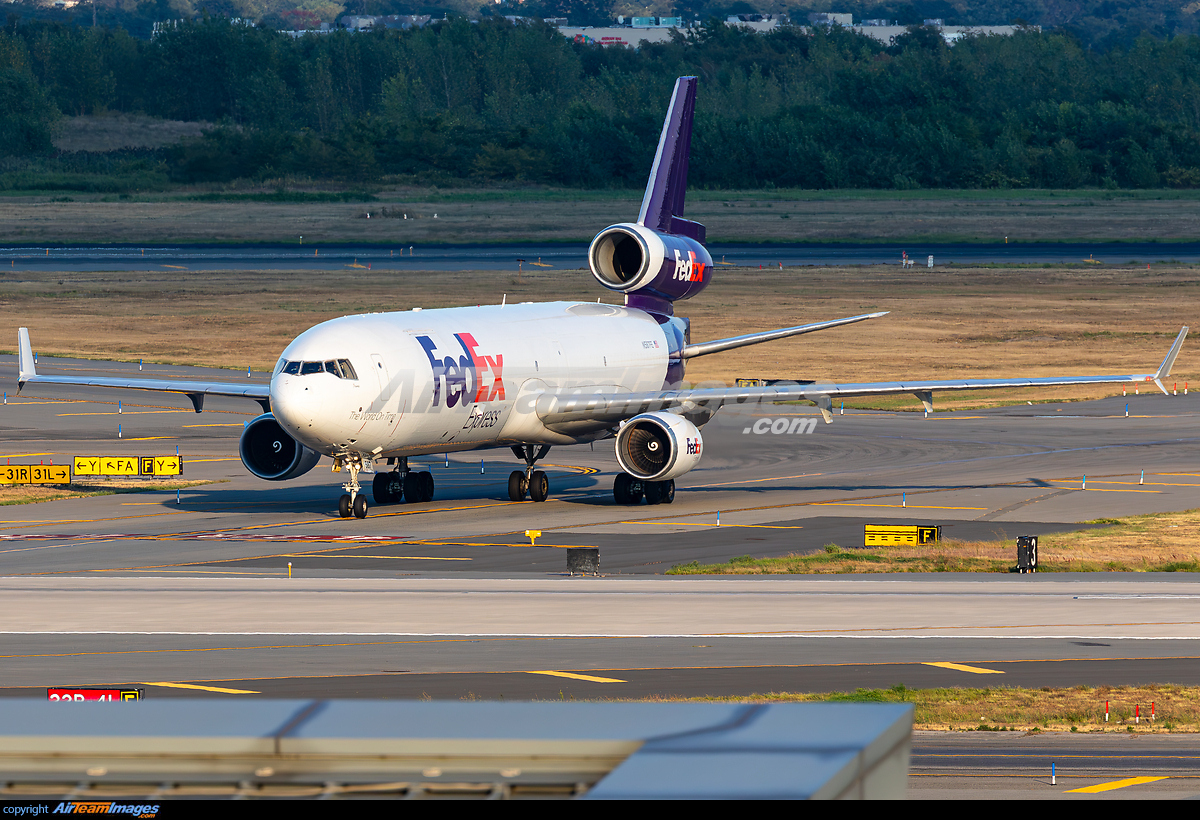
<point x="270" y="453"/>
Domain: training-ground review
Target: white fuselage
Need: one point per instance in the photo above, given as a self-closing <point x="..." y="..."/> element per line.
<point x="459" y="378"/>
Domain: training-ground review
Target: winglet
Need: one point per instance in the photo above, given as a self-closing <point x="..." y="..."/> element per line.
<point x="25" y="366"/>
<point x="1164" y="369"/>
<point x="667" y="185"/>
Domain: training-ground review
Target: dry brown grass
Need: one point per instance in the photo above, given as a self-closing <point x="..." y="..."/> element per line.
<point x="33" y="493"/>
<point x="1078" y="709"/>
<point x="968" y="322"/>
<point x="555" y="215"/>
<point x="1162" y="542"/>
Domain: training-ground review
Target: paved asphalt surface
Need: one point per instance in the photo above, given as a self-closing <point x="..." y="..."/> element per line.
<point x="562" y="255"/>
<point x="447" y="599"/>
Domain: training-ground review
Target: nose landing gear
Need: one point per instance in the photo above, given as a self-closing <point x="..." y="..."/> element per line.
<point x="352" y="502"/>
<point x="532" y="481"/>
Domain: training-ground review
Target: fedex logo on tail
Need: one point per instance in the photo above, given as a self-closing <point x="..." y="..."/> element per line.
<point x="688" y="270"/>
<point x="462" y="377"/>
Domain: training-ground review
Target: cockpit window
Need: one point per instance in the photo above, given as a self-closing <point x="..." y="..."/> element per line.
<point x="341" y="368"/>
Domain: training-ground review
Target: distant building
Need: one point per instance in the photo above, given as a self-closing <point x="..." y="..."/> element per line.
<point x="365" y="22"/>
<point x="822" y="18"/>
<point x="633" y="31"/>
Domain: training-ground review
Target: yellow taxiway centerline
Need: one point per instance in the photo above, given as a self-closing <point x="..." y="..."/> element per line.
<point x="592" y="678"/>
<point x="978" y="670"/>
<point x="202" y="688"/>
<point x="1115" y="784"/>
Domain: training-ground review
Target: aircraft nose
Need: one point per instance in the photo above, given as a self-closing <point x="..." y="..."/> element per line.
<point x="297" y="405"/>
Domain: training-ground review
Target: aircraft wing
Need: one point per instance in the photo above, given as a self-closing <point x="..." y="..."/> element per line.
<point x="194" y="390"/>
<point x="559" y="410"/>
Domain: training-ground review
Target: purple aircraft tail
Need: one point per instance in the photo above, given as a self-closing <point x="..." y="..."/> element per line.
<point x="662" y="206"/>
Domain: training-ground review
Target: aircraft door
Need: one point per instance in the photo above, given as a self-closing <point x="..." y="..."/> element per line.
<point x="380" y="372"/>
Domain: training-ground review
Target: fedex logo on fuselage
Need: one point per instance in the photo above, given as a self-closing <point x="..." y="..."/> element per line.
<point x="688" y="270"/>
<point x="463" y="377"/>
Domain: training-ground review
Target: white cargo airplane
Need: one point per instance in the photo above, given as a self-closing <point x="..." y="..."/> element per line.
<point x="527" y="376"/>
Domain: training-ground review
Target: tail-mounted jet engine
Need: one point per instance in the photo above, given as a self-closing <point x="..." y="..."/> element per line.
<point x="634" y="259"/>
<point x="658" y="446"/>
<point x="269" y="452"/>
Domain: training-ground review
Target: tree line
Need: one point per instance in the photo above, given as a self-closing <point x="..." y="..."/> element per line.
<point x="493" y="101"/>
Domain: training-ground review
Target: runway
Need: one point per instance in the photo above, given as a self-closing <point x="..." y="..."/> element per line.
<point x="564" y="256"/>
<point x="448" y="599"/>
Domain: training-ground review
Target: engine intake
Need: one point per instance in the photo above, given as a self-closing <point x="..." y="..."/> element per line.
<point x="270" y="453"/>
<point x="658" y="446"/>
<point x="634" y="259"/>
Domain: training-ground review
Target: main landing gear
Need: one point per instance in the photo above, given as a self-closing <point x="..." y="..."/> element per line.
<point x="391" y="487"/>
<point x="532" y="481"/>
<point x="400" y="483"/>
<point x="630" y="490"/>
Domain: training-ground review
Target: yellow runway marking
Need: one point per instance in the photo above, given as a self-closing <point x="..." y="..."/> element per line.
<point x="400" y="557"/>
<point x="754" y="480"/>
<point x="1115" y="784"/>
<point x="27" y="455"/>
<point x="1151" y="484"/>
<point x="125" y="413"/>
<point x="235" y="424"/>
<point x="203" y="688"/>
<point x="702" y="524"/>
<point x="953" y="418"/>
<point x="978" y="670"/>
<point x="592" y="678"/>
<point x="897" y="506"/>
<point x="173" y="267"/>
<point x="1099" y="490"/>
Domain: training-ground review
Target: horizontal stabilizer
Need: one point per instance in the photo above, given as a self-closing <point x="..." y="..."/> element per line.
<point x="717" y="345"/>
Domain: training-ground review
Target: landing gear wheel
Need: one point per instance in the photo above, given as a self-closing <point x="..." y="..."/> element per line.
<point x="360" y="506"/>
<point x="344" y="506"/>
<point x="413" y="487"/>
<point x="628" y="490"/>
<point x="667" y="493"/>
<point x="539" y="486"/>
<point x="517" y="487"/>
<point x="426" y="486"/>
<point x="387" y="488"/>
<point x="660" y="492"/>
<point x="621" y="484"/>
<point x="653" y="492"/>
